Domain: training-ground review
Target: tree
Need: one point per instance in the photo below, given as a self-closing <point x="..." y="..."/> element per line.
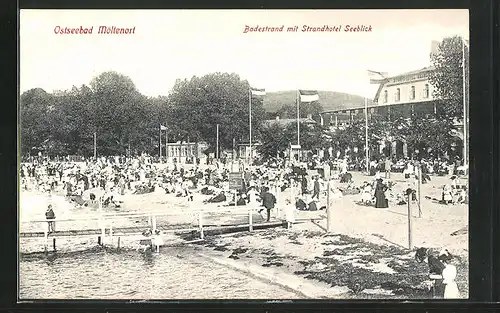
<point x="273" y="140"/>
<point x="119" y="112"/>
<point x="35" y="108"/>
<point x="311" y="136"/>
<point x="199" y="104"/>
<point x="447" y="78"/>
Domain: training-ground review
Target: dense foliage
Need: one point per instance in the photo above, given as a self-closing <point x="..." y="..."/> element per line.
<point x="448" y="75"/>
<point x="125" y="121"/>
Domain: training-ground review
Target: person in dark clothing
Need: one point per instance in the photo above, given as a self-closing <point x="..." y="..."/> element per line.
<point x="300" y="205"/>
<point x="50" y="215"/>
<point x="304" y="184"/>
<point x="268" y="201"/>
<point x="380" y="199"/>
<point x="316" y="188"/>
<point x="221" y="197"/>
<point x="241" y="201"/>
<point x="346" y="178"/>
<point x="312" y="206"/>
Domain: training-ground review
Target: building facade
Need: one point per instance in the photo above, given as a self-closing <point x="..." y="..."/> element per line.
<point x="182" y="152"/>
<point x="407" y="94"/>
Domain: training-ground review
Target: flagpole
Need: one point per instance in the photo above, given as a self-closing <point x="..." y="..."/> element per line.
<point x="95" y="145"/>
<point x="464" y="103"/>
<point x="250" y="123"/>
<point x="217" y="147"/>
<point x="298" y="118"/>
<point x="366" y="136"/>
<point x="160" y="143"/>
<point x="166" y="142"/>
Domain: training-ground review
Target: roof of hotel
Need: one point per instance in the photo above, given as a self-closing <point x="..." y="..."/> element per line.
<point x="422" y="70"/>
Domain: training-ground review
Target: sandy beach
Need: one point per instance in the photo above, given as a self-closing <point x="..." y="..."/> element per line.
<point x="366" y="256"/>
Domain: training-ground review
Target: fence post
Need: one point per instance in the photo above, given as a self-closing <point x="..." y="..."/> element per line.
<point x="278" y="196"/>
<point x="409" y="221"/>
<point x="103" y="230"/>
<point x="111" y="231"/>
<point x="250" y="220"/>
<point x="418" y="190"/>
<point x="200" y="224"/>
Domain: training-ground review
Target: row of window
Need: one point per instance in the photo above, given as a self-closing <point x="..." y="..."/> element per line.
<point x="397" y="95"/>
<point x="407" y="109"/>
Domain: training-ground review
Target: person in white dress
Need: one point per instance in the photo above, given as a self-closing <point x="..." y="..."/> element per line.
<point x="367" y="194"/>
<point x="451" y="289"/>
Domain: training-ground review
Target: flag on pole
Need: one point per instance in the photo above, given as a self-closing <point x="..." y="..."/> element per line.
<point x="257" y="92"/>
<point x="308" y="95"/>
<point x="376" y="77"/>
<point x="163" y="127"/>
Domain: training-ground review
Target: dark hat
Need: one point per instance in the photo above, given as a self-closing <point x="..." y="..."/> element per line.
<point x="421" y="254"/>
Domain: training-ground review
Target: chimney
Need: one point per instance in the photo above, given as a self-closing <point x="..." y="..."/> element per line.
<point x="277" y="117"/>
<point x="434" y="47"/>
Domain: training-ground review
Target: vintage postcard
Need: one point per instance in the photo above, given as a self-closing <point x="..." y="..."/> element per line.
<point x="243" y="154"/>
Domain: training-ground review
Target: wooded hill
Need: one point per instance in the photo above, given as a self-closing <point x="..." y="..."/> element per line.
<point x="329" y="100"/>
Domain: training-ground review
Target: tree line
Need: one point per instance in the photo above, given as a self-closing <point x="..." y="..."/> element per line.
<point x="125" y="121"/>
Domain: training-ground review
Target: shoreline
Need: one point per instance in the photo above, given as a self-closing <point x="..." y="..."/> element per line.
<point x="329" y="266"/>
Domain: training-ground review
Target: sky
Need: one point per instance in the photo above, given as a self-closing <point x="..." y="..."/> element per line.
<point x="172" y="44"/>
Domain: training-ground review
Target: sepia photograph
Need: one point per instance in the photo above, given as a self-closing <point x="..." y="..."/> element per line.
<point x="243" y="154"/>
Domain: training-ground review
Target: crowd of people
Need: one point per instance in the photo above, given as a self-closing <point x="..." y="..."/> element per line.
<point x="114" y="177"/>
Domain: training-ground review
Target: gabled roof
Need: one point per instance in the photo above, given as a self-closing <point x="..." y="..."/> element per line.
<point x="422" y="70"/>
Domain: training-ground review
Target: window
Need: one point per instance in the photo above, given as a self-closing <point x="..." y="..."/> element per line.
<point x="385" y="96"/>
<point x="426" y="91"/>
<point x="412" y="93"/>
<point x="398" y="95"/>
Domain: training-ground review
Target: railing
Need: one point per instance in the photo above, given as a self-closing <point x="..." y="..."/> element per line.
<point x="105" y="220"/>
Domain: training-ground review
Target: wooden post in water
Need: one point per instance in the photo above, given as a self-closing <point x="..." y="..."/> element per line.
<point x="101" y="223"/>
<point x="250" y="220"/>
<point x="103" y="232"/>
<point x="118" y="243"/>
<point x="200" y="224"/>
<point x="149" y="220"/>
<point x="54" y="244"/>
<point x="46" y="237"/>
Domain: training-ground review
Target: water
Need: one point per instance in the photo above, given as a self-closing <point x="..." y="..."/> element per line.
<point x="175" y="273"/>
<point x="80" y="271"/>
